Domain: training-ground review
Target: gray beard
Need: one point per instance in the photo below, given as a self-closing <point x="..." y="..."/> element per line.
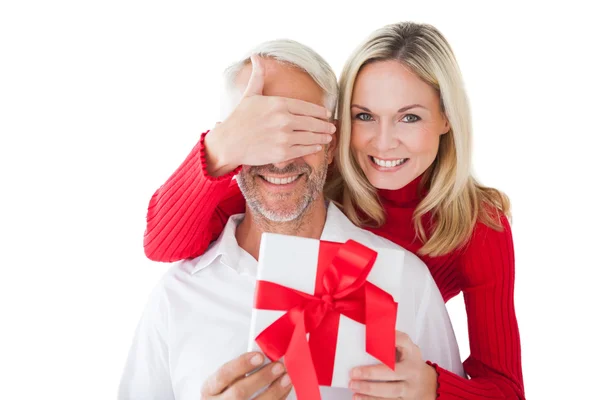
<point x="274" y="220"/>
<point x="274" y="216"/>
<point x="288" y="227"/>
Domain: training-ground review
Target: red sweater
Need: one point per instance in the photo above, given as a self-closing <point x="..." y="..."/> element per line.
<point x="190" y="210"/>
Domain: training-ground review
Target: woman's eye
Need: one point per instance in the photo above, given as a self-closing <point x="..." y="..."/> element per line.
<point x="364" y="117"/>
<point x="410" y="118"/>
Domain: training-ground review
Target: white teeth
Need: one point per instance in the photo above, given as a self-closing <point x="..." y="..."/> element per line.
<point x="388" y="163"/>
<point x="280" y="181"/>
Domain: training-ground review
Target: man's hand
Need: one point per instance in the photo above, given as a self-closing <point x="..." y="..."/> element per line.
<point x="231" y="383"/>
<point x="266" y="129"/>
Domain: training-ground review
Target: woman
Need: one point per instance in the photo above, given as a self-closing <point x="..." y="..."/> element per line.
<point x="402" y="171"/>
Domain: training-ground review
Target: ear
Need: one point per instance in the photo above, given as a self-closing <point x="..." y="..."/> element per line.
<point x="332" y="147"/>
<point x="447" y="126"/>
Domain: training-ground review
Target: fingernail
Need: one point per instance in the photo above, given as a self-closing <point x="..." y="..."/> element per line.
<point x="355" y="373"/>
<point x="328" y="114"/>
<point x="256" y="360"/>
<point x="285" y="381"/>
<point x="329" y="138"/>
<point x="277" y="369"/>
<point x="332" y="129"/>
<point x="319" y="148"/>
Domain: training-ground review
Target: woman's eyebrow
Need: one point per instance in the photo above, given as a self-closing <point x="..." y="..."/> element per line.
<point x="401" y="110"/>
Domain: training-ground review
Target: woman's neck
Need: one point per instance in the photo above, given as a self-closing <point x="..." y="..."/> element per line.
<point x="407" y="196"/>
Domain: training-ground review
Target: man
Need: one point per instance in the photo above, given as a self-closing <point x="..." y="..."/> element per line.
<point x="198" y="318"/>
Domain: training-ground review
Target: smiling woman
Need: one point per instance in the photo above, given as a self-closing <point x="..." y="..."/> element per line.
<point x="404" y="116"/>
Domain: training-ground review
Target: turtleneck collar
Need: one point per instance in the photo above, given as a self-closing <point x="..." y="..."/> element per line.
<point x="408" y="196"/>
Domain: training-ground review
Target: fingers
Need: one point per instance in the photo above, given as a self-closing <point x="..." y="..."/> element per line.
<point x="278" y="389"/>
<point x="309" y="138"/>
<point x="304" y="123"/>
<point x="404" y="345"/>
<point x="366" y="397"/>
<point x="402" y="339"/>
<point x="231" y="372"/>
<point x="301" y="151"/>
<point x="257" y="78"/>
<point x="380" y="372"/>
<point x="386" y="390"/>
<point x="305" y="108"/>
<point x="245" y="388"/>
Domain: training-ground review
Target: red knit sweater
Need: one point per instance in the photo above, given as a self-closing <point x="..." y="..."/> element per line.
<point x="190" y="211"/>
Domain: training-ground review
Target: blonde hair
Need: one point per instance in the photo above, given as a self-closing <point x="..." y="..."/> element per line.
<point x="454" y="199"/>
<point x="289" y="52"/>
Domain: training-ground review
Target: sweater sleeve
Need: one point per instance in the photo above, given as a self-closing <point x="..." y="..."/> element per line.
<point x="494" y="365"/>
<point x="190" y="209"/>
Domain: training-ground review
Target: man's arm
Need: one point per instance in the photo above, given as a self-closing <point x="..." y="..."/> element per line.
<point x="146" y="374"/>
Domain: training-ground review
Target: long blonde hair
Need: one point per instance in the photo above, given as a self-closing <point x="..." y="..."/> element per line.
<point x="454" y="199"/>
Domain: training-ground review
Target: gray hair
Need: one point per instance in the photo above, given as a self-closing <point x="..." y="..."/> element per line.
<point x="289" y="52"/>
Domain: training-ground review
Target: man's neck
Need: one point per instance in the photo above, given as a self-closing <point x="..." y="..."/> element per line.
<point x="308" y="225"/>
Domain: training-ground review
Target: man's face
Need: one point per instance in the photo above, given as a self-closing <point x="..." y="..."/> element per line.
<point x="283" y="192"/>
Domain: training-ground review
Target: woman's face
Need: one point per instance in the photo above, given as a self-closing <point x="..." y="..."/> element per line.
<point x="397" y="122"/>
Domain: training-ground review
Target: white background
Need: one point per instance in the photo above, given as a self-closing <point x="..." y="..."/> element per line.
<point x="100" y="102"/>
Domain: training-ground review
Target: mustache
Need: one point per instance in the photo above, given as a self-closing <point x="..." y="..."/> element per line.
<point x="288" y="169"/>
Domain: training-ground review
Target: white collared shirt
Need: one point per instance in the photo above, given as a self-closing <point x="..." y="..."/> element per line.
<point x="198" y="317"/>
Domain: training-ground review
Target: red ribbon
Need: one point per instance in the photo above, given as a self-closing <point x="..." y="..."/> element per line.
<point x="341" y="287"/>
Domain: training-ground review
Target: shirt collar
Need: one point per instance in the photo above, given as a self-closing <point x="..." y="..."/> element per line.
<point x="336" y="229"/>
<point x="225" y="247"/>
<point x="337" y="225"/>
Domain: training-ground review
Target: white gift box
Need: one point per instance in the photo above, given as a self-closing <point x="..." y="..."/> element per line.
<point x="292" y="262"/>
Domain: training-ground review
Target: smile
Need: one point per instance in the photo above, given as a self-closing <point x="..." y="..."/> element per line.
<point x="388" y="163"/>
<point x="280" y="181"/>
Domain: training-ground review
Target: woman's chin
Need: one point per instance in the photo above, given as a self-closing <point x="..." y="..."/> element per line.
<point x="388" y="185"/>
<point x="390" y="182"/>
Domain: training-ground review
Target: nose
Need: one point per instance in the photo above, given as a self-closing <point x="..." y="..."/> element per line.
<point x="386" y="138"/>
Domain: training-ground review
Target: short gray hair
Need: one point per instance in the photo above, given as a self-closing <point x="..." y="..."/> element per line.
<point x="289" y="52"/>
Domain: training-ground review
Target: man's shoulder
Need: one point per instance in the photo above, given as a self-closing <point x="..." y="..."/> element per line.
<point x="174" y="273"/>
<point x="181" y="271"/>
<point x="179" y="281"/>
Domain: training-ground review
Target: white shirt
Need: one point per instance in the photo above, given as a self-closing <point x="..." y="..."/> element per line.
<point x="198" y="317"/>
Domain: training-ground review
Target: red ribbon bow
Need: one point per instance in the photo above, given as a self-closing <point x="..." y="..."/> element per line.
<point x="341" y="287"/>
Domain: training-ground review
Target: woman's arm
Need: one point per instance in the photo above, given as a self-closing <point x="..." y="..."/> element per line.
<point x="190" y="210"/>
<point x="494" y="365"/>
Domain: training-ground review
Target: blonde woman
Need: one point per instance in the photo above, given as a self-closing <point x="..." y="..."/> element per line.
<point x="402" y="171"/>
